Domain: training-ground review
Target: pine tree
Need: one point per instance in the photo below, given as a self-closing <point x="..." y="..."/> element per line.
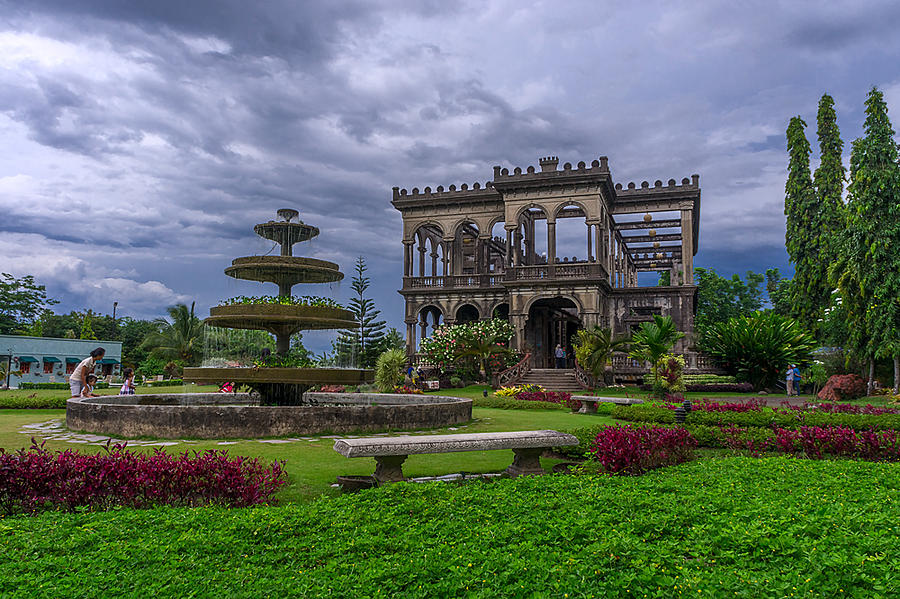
<point x="873" y="230"/>
<point x="361" y="345"/>
<point x="801" y="236"/>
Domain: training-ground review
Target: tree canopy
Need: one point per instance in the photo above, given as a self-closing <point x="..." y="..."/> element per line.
<point x="363" y="344"/>
<point x="719" y="299"/>
<point x="22" y="301"/>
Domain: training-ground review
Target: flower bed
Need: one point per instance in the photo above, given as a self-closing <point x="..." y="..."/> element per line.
<point x="38" y="479"/>
<point x="631" y="450"/>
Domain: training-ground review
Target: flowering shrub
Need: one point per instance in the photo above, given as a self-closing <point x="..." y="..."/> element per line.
<point x="407" y="390"/>
<point x="720" y="387"/>
<point x="448" y="344"/>
<point x="38" y="479"/>
<point x="705" y="405"/>
<point x="632" y="450"/>
<point x="670" y="373"/>
<point x="560" y="397"/>
<point x="843" y="387"/>
<point x="282" y="300"/>
<point x="516" y="390"/>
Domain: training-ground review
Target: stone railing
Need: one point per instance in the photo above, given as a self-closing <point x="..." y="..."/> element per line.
<point x="559" y="270"/>
<point x="453" y="281"/>
<point x="584" y="378"/>
<point x="513" y="374"/>
<point x="694" y="363"/>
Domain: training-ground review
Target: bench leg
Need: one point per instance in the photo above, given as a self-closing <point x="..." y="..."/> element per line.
<point x="527" y="461"/>
<point x="588" y="407"/>
<point x="389" y="468"/>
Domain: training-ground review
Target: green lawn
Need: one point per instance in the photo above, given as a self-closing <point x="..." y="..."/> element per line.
<point x="735" y="527"/>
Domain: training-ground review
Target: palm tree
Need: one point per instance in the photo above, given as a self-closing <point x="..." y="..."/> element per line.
<point x="594" y="349"/>
<point x="653" y="340"/>
<point x="180" y="339"/>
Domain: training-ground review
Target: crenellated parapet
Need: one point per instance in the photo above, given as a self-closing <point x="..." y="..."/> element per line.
<point x="691" y="184"/>
<point x="452" y="192"/>
<point x="549" y="166"/>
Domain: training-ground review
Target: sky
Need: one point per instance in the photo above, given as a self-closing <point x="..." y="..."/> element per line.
<point x="141" y="141"/>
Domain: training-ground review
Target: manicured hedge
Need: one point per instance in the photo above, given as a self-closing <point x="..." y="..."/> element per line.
<point x="99" y="385"/>
<point x="762" y="418"/>
<point x="736" y="527"/>
<point x="508" y="403"/>
<point x="9" y="401"/>
<point x="166" y="383"/>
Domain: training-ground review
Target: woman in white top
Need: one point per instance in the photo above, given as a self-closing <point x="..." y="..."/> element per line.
<point x="78" y="378"/>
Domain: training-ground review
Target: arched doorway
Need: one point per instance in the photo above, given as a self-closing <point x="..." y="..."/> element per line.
<point x="501" y="311"/>
<point x="551" y="321"/>
<point x="429" y="320"/>
<point x="466" y="313"/>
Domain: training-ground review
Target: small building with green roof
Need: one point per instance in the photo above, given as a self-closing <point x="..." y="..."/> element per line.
<point x="51" y="360"/>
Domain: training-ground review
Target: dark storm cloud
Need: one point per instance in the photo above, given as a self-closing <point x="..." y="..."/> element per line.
<point x="144" y="139"/>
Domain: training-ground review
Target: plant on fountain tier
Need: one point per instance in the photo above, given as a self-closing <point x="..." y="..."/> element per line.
<point x="594" y="348"/>
<point x="389" y="369"/>
<point x="483" y="341"/>
<point x="758" y="348"/>
<point x="292" y="360"/>
<point x="179" y="340"/>
<point x="653" y="340"/>
<point x="282" y="300"/>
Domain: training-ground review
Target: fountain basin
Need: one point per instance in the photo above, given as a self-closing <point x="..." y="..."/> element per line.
<point x="296" y="376"/>
<point x="284" y="270"/>
<point x="229" y="416"/>
<point x="277" y="317"/>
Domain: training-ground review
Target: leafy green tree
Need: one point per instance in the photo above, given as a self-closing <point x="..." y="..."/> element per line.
<point x="366" y="341"/>
<point x="21" y="302"/>
<point x="594" y="348"/>
<point x="394" y="340"/>
<point x="779" y="291"/>
<point x="873" y="230"/>
<point x="652" y="341"/>
<point x="758" y="348"/>
<point x="181" y="339"/>
<point x="829" y="181"/>
<point x="87" y="330"/>
<point x="719" y="299"/>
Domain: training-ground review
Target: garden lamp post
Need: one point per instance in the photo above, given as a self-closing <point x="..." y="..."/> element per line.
<point x="115" y="305"/>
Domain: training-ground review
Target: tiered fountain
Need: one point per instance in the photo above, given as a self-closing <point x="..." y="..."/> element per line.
<point x="286" y="409"/>
<point x="282" y="386"/>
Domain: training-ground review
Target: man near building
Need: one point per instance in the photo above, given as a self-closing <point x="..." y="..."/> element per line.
<point x="78" y="378"/>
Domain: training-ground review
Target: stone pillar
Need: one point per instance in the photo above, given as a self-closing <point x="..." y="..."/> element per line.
<point x="687" y="245"/>
<point x="518" y="323"/>
<point x="529" y="239"/>
<point x="421" y="260"/>
<point x="423" y="324"/>
<point x="407" y="258"/>
<point x="434" y="257"/>
<point x="517" y="254"/>
<point x="448" y="248"/>
<point x="589" y="242"/>
<point x="410" y="338"/>
<point x="551" y="242"/>
<point x="508" y="259"/>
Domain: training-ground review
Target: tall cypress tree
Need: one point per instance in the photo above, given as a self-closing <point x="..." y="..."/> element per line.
<point x="362" y="344"/>
<point x="800" y="237"/>
<point x="873" y="229"/>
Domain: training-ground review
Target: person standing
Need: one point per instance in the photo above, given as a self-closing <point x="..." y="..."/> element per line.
<point x="789" y="380"/>
<point x="798" y="378"/>
<point x="560" y="354"/>
<point x="78" y="378"/>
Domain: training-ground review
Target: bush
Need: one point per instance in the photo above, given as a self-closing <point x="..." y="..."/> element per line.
<point x="818" y="442"/>
<point x="99" y="385"/>
<point x="516" y="390"/>
<point x="719" y="387"/>
<point x="166" y="383"/>
<point x="389" y="369"/>
<point x="758" y="348"/>
<point x="456" y="382"/>
<point x="37" y="479"/>
<point x="632" y="450"/>
<point x="843" y="387"/>
<point x="670" y="373"/>
<point x="504" y="403"/>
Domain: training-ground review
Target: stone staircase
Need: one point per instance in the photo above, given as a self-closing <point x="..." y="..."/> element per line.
<point x="553" y="379"/>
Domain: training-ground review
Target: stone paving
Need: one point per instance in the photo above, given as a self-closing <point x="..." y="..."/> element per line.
<point x="55" y="430"/>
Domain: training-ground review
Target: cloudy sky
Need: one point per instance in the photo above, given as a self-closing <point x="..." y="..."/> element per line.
<point x="141" y="140"/>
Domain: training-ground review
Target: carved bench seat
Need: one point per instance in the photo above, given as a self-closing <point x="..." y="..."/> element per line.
<point x="391" y="452"/>
<point x="589" y="402"/>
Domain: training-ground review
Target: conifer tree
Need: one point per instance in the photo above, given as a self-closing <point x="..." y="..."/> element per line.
<point x="873" y="230"/>
<point x="362" y="344"/>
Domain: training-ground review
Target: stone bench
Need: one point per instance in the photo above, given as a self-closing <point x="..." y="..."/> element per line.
<point x="391" y="452"/>
<point x="589" y="402"/>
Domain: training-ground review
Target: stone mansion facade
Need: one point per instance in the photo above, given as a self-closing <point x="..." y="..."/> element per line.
<point x="494" y="250"/>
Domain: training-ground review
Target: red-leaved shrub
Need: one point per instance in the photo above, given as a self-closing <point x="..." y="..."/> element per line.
<point x="38" y="479"/>
<point x="817" y="442"/>
<point x="331" y="388"/>
<point x="843" y="387"/>
<point x="632" y="450"/>
<point x="705" y="405"/>
<point x="548" y="396"/>
<point x="841" y="408"/>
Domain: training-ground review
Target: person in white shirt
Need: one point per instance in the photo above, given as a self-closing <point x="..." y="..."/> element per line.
<point x="78" y="378"/>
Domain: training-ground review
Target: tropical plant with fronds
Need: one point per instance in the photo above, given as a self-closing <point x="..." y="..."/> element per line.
<point x="653" y="340"/>
<point x="181" y="339"/>
<point x="758" y="348"/>
<point x="594" y="348"/>
<point x="389" y="369"/>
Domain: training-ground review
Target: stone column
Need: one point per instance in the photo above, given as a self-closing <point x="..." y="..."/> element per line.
<point x="517" y="254"/>
<point x="434" y="257"/>
<point x="407" y="258"/>
<point x="448" y="248"/>
<point x="589" y="240"/>
<point x="422" y="260"/>
<point x="410" y="338"/>
<point x="529" y="246"/>
<point x="508" y="259"/>
<point x="687" y="245"/>
<point x="551" y="242"/>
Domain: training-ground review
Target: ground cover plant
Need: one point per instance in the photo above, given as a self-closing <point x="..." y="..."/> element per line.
<point x="38" y="479"/>
<point x="281" y="300"/>
<point x="634" y="450"/>
<point x="735" y="527"/>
